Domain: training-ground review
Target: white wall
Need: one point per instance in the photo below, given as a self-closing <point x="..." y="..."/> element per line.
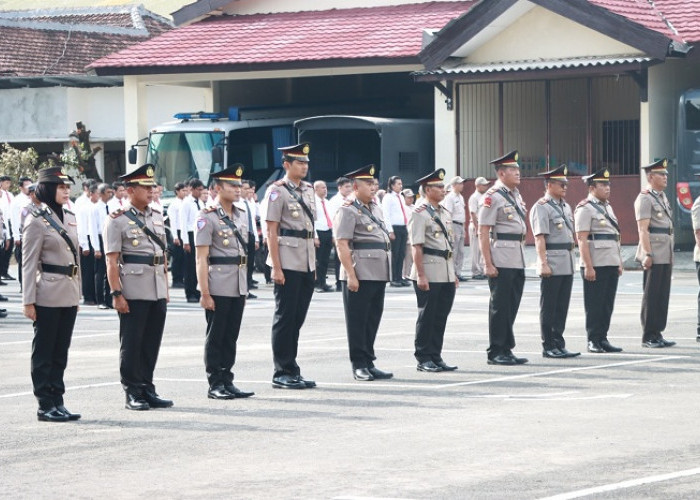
<point x="264" y="6"/>
<point x="445" y="136"/>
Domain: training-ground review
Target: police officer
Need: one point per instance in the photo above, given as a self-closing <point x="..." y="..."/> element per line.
<point x="695" y="218"/>
<point x="655" y="252"/>
<point x="552" y="223"/>
<point x="433" y="272"/>
<point x="51" y="290"/>
<point x="598" y="235"/>
<point x="290" y="236"/>
<point x="363" y="245"/>
<point x="502" y="231"/>
<point x="220" y="238"/>
<point x="134" y="239"/>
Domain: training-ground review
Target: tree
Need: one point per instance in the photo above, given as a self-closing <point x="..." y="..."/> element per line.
<point x="17" y="163"/>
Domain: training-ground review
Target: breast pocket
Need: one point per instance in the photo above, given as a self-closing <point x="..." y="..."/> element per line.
<point x="604" y="243"/>
<point x="657" y="212"/>
<point x="288" y="241"/>
<point x="132" y="269"/>
<point x="369" y="254"/>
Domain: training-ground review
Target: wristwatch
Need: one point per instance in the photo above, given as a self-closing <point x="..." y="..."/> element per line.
<point x="648" y="254"/>
<point x="116" y="293"/>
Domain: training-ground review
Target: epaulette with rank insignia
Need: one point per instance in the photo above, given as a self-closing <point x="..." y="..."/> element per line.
<point x="208" y="210"/>
<point x="542" y="201"/>
<point x="279" y="182"/>
<point x="117" y="213"/>
<point x="645" y="191"/>
<point x="347" y="203"/>
<point x="38" y="212"/>
<point x="492" y="190"/>
<point x="419" y="209"/>
<point x="306" y="184"/>
<point x="582" y="203"/>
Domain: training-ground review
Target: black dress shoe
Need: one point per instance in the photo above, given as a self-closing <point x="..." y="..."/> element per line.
<point x="406" y="282"/>
<point x="518" y="361"/>
<point x="310" y="384"/>
<point x="2" y="283"/>
<point x="7" y="277"/>
<point x="3" y="298"/>
<point x="654" y="344"/>
<point x="3" y="313"/>
<point x="71" y="416"/>
<point x="134" y="402"/>
<point x="252" y="286"/>
<point x="252" y="296"/>
<point x="380" y="374"/>
<point x="396" y="284"/>
<point x="569" y="354"/>
<point x="462" y="278"/>
<point x="609" y="347"/>
<point x="667" y="343"/>
<point x="428" y="366"/>
<point x="155" y="401"/>
<point x="287" y="381"/>
<point x="104" y="306"/>
<point x="192" y="300"/>
<point x="553" y="353"/>
<point x="339" y="288"/>
<point x="89" y="303"/>
<point x="362" y="374"/>
<point x="255" y="282"/>
<point x="219" y="392"/>
<point x="501" y="359"/>
<point x="479" y="277"/>
<point x="594" y="346"/>
<point x="445" y="367"/>
<point x="51" y="415"/>
<point x="237" y="392"/>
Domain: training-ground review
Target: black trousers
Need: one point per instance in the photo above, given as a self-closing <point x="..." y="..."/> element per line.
<point x="323" y="254"/>
<point x="140" y="334"/>
<point x="190" y="269"/>
<point x="251" y="256"/>
<point x="656" y="283"/>
<point x="555" y="295"/>
<point x="5" y="258"/>
<point x="223" y="327"/>
<point x="18" y="258"/>
<point x="434" y="306"/>
<point x="177" y="260"/>
<point x="506" y="292"/>
<point x="363" y="313"/>
<point x="398" y="252"/>
<point x="102" y="291"/>
<point x="291" y="305"/>
<point x="697" y="271"/>
<point x="599" y="301"/>
<point x="53" y="330"/>
<point x="87" y="274"/>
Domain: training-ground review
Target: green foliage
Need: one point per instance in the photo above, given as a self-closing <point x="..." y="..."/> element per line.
<point x="17" y="163"/>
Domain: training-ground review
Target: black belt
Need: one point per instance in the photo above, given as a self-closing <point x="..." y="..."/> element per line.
<point x="458" y="223"/>
<point x="446" y="254"/>
<point x="371" y="246"/>
<point x="510" y="236"/>
<point x="71" y="270"/>
<point x="297" y="233"/>
<point x="239" y="260"/>
<point x="149" y="260"/>
<point x="559" y="246"/>
<point x="661" y="230"/>
<point x="604" y="236"/>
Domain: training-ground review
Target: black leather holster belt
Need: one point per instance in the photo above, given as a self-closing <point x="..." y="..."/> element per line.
<point x="458" y="223"/>
<point x="239" y="260"/>
<point x="71" y="270"/>
<point x="149" y="260"/>
<point x="297" y="233"/>
<point x="446" y="254"/>
<point x="510" y="236"/>
<point x="595" y="236"/>
<point x="559" y="246"/>
<point x="661" y="230"/>
<point x="371" y="246"/>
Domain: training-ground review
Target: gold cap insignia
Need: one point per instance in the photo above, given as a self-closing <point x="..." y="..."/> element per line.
<point x="150" y="172"/>
<point x="516" y="157"/>
<point x="665" y="163"/>
<point x="371" y="170"/>
<point x="306" y="149"/>
<point x="441" y="175"/>
<point x="239" y="171"/>
<point x="566" y="171"/>
<point x="606" y="174"/>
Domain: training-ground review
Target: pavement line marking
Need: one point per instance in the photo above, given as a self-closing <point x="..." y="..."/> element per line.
<point x="374" y="383"/>
<point x="73" y="388"/>
<point x="563" y="370"/>
<point x="350" y="497"/>
<point x="624" y="484"/>
<point x="74" y="337"/>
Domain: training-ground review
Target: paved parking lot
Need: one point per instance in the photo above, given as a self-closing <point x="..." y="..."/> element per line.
<point x="598" y="426"/>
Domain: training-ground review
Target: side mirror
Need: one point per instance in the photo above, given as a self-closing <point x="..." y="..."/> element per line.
<point x="132" y="155"/>
<point x="217" y="155"/>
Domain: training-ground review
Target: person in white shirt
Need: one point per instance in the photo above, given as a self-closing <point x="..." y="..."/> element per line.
<point x="119" y="199"/>
<point x="324" y="235"/>
<point x="345" y="193"/>
<point x="189" y="212"/>
<point x="394" y="208"/>
<point x="178" y="256"/>
<point x="100" y="212"/>
<point x="248" y="204"/>
<point x="18" y="203"/>
<point x="84" y="206"/>
<point x="454" y="203"/>
<point x="155" y="202"/>
<point x="481" y="185"/>
<point x="409" y="197"/>
<point x="5" y="203"/>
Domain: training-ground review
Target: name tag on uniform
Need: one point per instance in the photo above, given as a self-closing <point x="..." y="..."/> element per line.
<point x="157" y="223"/>
<point x="72" y="223"/>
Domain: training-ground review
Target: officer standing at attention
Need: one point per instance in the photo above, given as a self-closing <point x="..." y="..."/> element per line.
<point x="552" y="223"/>
<point x="220" y="238"/>
<point x="363" y="245"/>
<point x="138" y="277"/>
<point x="51" y="290"/>
<point x="433" y="272"/>
<point x="598" y="235"/>
<point x="502" y="231"/>
<point x="292" y="256"/>
<point x="655" y="252"/>
<point x="454" y="202"/>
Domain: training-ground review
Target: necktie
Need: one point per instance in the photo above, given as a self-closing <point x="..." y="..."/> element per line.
<point x="196" y="200"/>
<point x="328" y="219"/>
<point x="405" y="220"/>
<point x="106" y="209"/>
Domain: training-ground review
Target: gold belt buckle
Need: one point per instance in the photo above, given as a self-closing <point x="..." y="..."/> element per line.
<point x="73" y="270"/>
<point x="449" y="254"/>
<point x="244" y="261"/>
<point x="157" y="260"/>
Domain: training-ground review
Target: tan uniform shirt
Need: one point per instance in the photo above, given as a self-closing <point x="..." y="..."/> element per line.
<point x="122" y="235"/>
<point x="654" y="206"/>
<point x="351" y="223"/>
<point x="588" y="218"/>
<point x="43" y="244"/>
<point x="695" y="217"/>
<point x="423" y="230"/>
<point x="557" y="226"/>
<point x="296" y="254"/>
<point x="502" y="215"/>
<point x="225" y="280"/>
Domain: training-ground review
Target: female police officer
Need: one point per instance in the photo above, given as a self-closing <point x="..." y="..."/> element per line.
<point x="51" y="290"/>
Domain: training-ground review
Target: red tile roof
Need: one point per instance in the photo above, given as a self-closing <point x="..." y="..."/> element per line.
<point x="354" y="35"/>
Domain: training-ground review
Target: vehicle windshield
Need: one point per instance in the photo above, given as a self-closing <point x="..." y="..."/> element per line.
<point x="179" y="156"/>
<point x="692" y="114"/>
